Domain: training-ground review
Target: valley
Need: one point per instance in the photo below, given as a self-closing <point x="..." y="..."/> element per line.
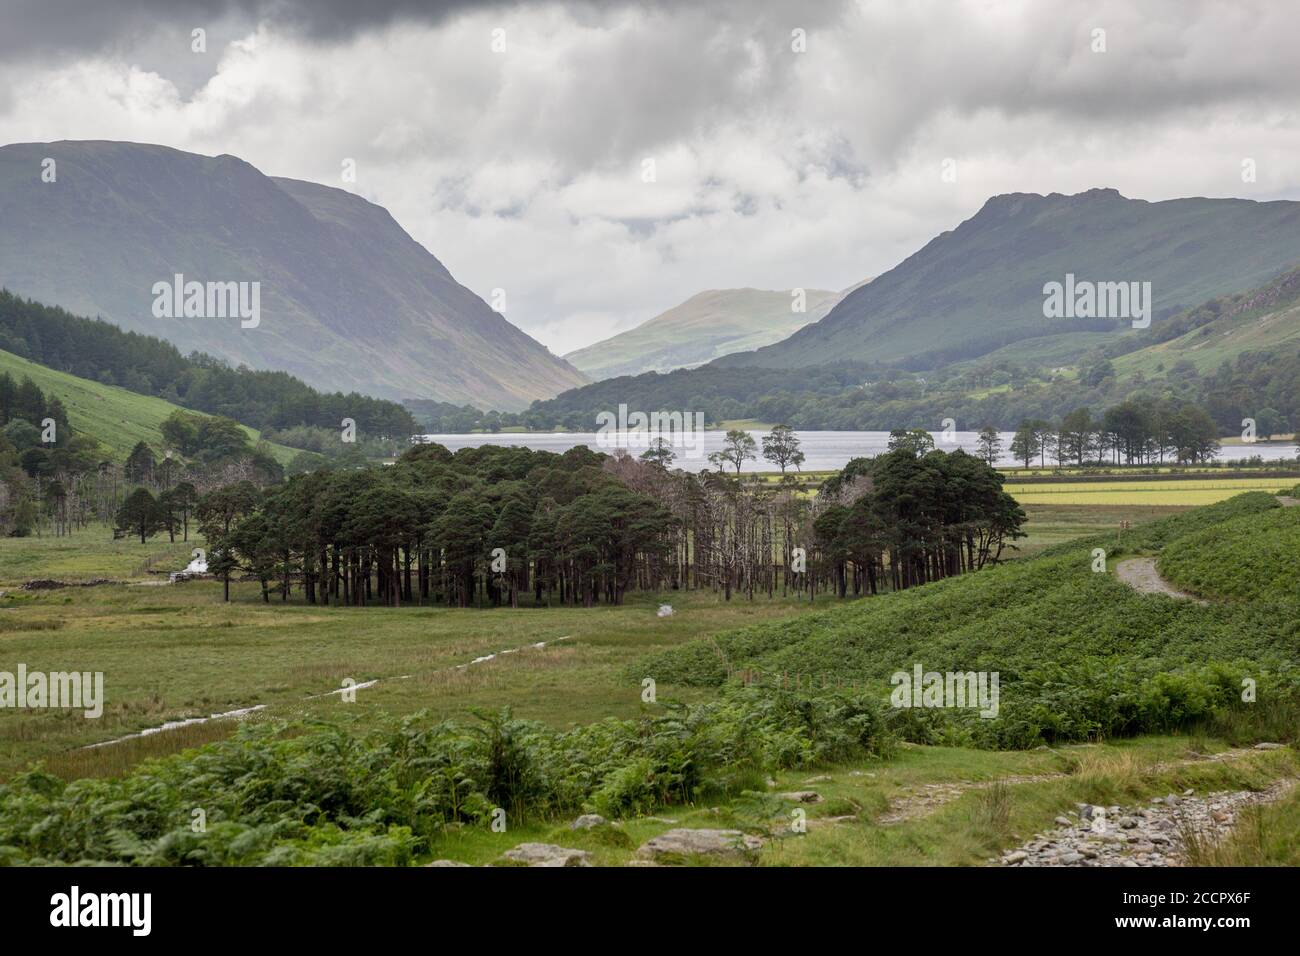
<point x="171" y="652"/>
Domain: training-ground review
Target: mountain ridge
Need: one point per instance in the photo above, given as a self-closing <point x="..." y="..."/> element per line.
<point x="978" y="287"/>
<point x="349" y="299"/>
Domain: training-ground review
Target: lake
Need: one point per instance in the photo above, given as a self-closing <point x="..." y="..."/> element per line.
<point x="823" y="451"/>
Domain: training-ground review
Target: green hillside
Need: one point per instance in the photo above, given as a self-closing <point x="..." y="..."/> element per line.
<point x="1254" y="557"/>
<point x="115" y="417"/>
<point x="1079" y="653"/>
<point x="1218" y="341"/>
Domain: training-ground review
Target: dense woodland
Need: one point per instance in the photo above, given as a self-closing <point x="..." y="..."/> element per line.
<point x="97" y="350"/>
<point x="857" y="398"/>
<point x="496" y="525"/>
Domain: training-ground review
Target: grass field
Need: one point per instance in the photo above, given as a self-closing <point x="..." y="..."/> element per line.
<point x="1052" y="523"/>
<point x="1189" y="492"/>
<point x="90" y="554"/>
<point x="172" y="652"/>
<point x="115" y="417"/>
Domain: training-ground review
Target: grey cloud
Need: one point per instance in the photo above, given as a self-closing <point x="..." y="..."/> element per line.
<point x="31" y="27"/>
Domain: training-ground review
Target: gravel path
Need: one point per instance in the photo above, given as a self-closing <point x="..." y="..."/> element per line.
<point x="1139" y="836"/>
<point x="1141" y="575"/>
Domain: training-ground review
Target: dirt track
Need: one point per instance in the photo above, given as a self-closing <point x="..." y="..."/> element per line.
<point x="1141" y="575"/>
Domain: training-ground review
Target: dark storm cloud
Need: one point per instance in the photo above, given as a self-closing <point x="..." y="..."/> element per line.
<point x="34" y="27"/>
<point x="38" y="26"/>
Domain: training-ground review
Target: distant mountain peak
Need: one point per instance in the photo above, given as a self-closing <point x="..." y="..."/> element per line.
<point x="978" y="288"/>
<point x="709" y="324"/>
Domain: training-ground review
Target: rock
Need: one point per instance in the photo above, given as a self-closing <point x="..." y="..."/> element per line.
<point x="685" y="842"/>
<point x="588" y="821"/>
<point x="1064" y="821"/>
<point x="1188" y="792"/>
<point x="446" y="863"/>
<point x="665" y="610"/>
<point x="801" y="796"/>
<point x="666" y="820"/>
<point x="822" y="778"/>
<point x="1068" y="858"/>
<point x="1016" y="856"/>
<point x="1268" y="746"/>
<point x="546" y="854"/>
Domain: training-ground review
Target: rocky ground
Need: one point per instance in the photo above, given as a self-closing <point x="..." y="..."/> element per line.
<point x="1151" y="835"/>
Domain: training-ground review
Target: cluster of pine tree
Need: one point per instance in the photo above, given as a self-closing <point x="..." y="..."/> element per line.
<point x="494" y="525"/>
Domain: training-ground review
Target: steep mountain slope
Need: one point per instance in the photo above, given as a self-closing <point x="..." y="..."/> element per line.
<point x="348" y="299"/>
<point x="115" y="417"/>
<point x="979" y="288"/>
<point x="1266" y="319"/>
<point x="702" y="328"/>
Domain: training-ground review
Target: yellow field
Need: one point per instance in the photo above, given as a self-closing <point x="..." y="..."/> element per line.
<point x="1185" y="493"/>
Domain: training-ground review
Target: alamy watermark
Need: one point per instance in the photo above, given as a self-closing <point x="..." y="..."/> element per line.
<point x="133" y="911"/>
<point x="681" y="431"/>
<point x="208" y="300"/>
<point x="70" y="690"/>
<point x="1083" y="299"/>
<point x="953" y="689"/>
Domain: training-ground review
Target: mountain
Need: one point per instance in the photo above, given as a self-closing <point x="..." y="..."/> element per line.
<point x="1235" y="355"/>
<point x="702" y="328"/>
<point x="979" y="288"/>
<point x="348" y="300"/>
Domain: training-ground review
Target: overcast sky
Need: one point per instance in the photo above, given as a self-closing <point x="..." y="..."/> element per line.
<point x="523" y="168"/>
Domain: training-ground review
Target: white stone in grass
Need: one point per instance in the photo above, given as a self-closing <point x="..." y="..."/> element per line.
<point x="546" y="854"/>
<point x="683" y="842"/>
<point x="665" y="610"/>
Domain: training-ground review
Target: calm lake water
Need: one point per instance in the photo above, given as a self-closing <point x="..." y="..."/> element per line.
<point x="824" y="451"/>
